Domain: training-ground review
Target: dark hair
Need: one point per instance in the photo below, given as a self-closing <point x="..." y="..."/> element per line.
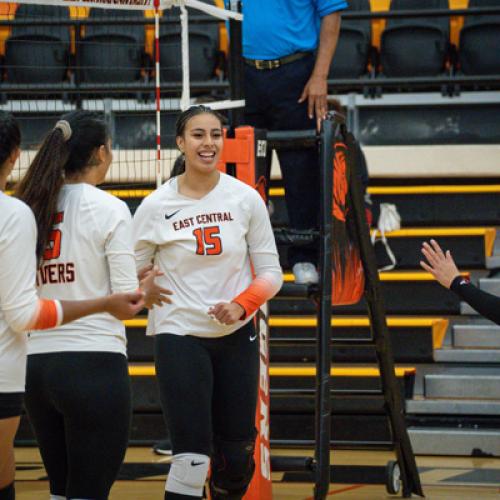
<point x="180" y="127"/>
<point x="67" y="149"/>
<point x="10" y="136"/>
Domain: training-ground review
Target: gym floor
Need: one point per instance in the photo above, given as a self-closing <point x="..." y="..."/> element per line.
<point x="143" y="477"/>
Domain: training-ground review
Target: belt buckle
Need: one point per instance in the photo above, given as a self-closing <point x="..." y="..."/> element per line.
<point x="267" y="63"/>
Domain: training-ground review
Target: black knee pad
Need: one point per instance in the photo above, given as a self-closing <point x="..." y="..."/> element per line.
<point x="232" y="469"/>
<point x="8" y="493"/>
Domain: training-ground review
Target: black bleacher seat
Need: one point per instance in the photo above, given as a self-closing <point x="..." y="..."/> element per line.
<point x="480" y="41"/>
<point x="36" y="53"/>
<point x="415" y="46"/>
<point x="203" y="47"/>
<point x="353" y="48"/>
<point x="112" y="52"/>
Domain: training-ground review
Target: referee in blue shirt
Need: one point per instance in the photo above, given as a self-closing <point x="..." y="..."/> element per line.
<point x="288" y="46"/>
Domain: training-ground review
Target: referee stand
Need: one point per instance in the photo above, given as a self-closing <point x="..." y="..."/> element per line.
<point x="246" y="156"/>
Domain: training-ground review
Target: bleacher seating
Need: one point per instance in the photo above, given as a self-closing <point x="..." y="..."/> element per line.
<point x="203" y="47"/>
<point x="480" y="41"/>
<point x="112" y="52"/>
<point x="35" y="53"/>
<point x="354" y="44"/>
<point x="415" y="46"/>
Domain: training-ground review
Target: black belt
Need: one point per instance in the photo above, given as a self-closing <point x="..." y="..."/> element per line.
<point x="275" y="63"/>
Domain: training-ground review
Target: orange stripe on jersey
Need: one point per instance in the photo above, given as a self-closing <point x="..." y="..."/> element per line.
<point x="257" y="293"/>
<point x="47" y="315"/>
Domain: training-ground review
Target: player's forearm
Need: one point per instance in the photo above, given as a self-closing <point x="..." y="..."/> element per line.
<point x="76" y="309"/>
<point x="486" y="304"/>
<point x="328" y="38"/>
<point x="262" y="288"/>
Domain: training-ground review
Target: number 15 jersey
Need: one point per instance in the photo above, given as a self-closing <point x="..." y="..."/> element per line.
<point x="204" y="248"/>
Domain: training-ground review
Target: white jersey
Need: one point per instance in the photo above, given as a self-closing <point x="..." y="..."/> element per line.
<point x="90" y="255"/>
<point x="204" y="247"/>
<point x="18" y="296"/>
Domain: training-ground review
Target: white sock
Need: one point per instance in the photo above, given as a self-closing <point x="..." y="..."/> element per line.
<point x="57" y="497"/>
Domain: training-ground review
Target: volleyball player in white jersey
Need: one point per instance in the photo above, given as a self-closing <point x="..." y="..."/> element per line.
<point x="20" y="307"/>
<point x="77" y="385"/>
<point x="204" y="229"/>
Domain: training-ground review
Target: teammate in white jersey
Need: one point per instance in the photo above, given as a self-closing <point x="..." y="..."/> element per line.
<point x="20" y="307"/>
<point x="77" y="385"/>
<point x="206" y="230"/>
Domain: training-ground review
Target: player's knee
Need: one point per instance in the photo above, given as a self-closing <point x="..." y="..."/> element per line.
<point x="188" y="473"/>
<point x="233" y="466"/>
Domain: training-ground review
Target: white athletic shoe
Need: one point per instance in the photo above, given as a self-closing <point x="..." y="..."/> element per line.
<point x="163" y="447"/>
<point x="305" y="273"/>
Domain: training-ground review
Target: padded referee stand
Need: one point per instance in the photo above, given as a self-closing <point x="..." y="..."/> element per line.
<point x="244" y="156"/>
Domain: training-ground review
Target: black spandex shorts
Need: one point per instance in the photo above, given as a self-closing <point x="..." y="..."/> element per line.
<point x="11" y="404"/>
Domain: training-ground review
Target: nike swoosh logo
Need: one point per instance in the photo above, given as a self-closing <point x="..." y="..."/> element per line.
<point x="252" y="338"/>
<point x="194" y="464"/>
<point x="172" y="214"/>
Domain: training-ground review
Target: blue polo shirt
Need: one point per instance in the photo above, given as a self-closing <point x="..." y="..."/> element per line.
<point x="277" y="28"/>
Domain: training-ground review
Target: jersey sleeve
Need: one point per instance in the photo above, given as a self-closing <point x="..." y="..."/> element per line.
<point x="143" y="234"/>
<point x="264" y="257"/>
<point x="326" y="7"/>
<point x="18" y="297"/>
<point x="118" y="248"/>
<point x="484" y="303"/>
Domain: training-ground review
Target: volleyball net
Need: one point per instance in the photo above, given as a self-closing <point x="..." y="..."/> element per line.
<point x="137" y="62"/>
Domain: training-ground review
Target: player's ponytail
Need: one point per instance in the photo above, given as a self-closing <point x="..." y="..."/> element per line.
<point x="180" y="127"/>
<point x="10" y="134"/>
<point x="68" y="149"/>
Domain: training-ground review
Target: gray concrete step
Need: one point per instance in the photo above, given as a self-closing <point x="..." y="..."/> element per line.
<point x="467" y="310"/>
<point x="464" y="442"/>
<point x="463" y="386"/>
<point x="493" y="262"/>
<point x="490" y="285"/>
<point x="467" y="356"/>
<point x="476" y="336"/>
<point x="452" y="407"/>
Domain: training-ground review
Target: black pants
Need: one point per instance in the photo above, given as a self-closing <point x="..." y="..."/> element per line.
<point x="79" y="406"/>
<point x="271" y="103"/>
<point x="208" y="388"/>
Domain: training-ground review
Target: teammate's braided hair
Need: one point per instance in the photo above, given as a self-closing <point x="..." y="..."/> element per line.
<point x="180" y="127"/>
<point x="67" y="149"/>
<point x="10" y="134"/>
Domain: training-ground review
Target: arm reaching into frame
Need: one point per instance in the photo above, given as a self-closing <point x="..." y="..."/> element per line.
<point x="442" y="266"/>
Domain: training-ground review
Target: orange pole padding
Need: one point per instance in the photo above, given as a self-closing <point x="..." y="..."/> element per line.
<point x="240" y="151"/>
<point x="261" y="487"/>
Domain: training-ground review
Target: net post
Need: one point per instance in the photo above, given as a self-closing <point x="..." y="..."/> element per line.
<point x="245" y="149"/>
<point x="235" y="64"/>
<point x="324" y="329"/>
<point x="186" y="92"/>
<point x="157" y="93"/>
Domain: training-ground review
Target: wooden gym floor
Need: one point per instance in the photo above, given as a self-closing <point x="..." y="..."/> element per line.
<point x="142" y="477"/>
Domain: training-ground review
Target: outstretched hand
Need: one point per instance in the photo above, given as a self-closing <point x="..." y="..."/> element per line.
<point x="226" y="313"/>
<point x="125" y="305"/>
<point x="441" y="265"/>
<point x="155" y="295"/>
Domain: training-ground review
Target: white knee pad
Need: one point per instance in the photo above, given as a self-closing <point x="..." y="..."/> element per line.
<point x="188" y="473"/>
